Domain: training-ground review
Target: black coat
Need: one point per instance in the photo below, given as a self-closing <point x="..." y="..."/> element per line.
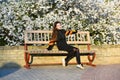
<point x="61" y="41"/>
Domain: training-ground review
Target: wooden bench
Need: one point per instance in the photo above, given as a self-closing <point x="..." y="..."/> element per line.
<point x="41" y="38"/>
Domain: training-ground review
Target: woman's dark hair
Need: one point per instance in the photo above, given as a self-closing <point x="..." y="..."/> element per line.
<point x="54" y="33"/>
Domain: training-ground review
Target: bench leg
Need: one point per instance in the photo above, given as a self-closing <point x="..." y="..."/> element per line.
<point x="91" y="59"/>
<point x="26" y="57"/>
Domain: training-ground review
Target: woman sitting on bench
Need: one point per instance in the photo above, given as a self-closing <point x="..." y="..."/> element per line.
<point x="58" y="36"/>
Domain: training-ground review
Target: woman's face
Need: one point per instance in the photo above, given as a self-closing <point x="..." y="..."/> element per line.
<point x="58" y="26"/>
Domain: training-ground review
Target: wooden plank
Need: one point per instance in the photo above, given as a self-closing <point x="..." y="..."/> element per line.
<point x="30" y="35"/>
<point x="56" y="52"/>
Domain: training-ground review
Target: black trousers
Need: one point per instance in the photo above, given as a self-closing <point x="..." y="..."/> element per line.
<point x="74" y="53"/>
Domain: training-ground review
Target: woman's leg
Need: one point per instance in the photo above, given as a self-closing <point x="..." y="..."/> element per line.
<point x="73" y="53"/>
<point x="77" y="53"/>
<point x="69" y="56"/>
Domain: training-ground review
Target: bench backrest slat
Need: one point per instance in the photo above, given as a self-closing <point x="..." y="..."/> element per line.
<point x="43" y="37"/>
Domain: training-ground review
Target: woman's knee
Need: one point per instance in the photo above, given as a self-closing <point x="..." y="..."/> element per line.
<point x="76" y="50"/>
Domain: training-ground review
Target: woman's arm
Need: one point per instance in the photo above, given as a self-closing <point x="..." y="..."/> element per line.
<point x="69" y="32"/>
<point x="51" y="45"/>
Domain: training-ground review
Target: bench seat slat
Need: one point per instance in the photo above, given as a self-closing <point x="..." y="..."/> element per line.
<point x="56" y="52"/>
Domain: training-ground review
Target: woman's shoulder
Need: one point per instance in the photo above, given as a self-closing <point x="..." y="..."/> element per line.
<point x="63" y="30"/>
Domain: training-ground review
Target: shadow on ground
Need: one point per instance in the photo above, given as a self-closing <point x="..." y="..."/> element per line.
<point x="8" y="68"/>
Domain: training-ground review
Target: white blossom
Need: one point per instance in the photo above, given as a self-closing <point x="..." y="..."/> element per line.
<point x="101" y="19"/>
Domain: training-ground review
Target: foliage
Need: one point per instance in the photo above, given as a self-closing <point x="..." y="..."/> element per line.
<point x="101" y="19"/>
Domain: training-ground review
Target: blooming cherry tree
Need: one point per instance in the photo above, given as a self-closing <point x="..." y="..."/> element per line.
<point x="100" y="19"/>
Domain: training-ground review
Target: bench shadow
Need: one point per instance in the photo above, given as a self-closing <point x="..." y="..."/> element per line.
<point x="8" y="68"/>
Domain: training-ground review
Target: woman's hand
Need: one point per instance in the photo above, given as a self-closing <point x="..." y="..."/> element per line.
<point x="50" y="47"/>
